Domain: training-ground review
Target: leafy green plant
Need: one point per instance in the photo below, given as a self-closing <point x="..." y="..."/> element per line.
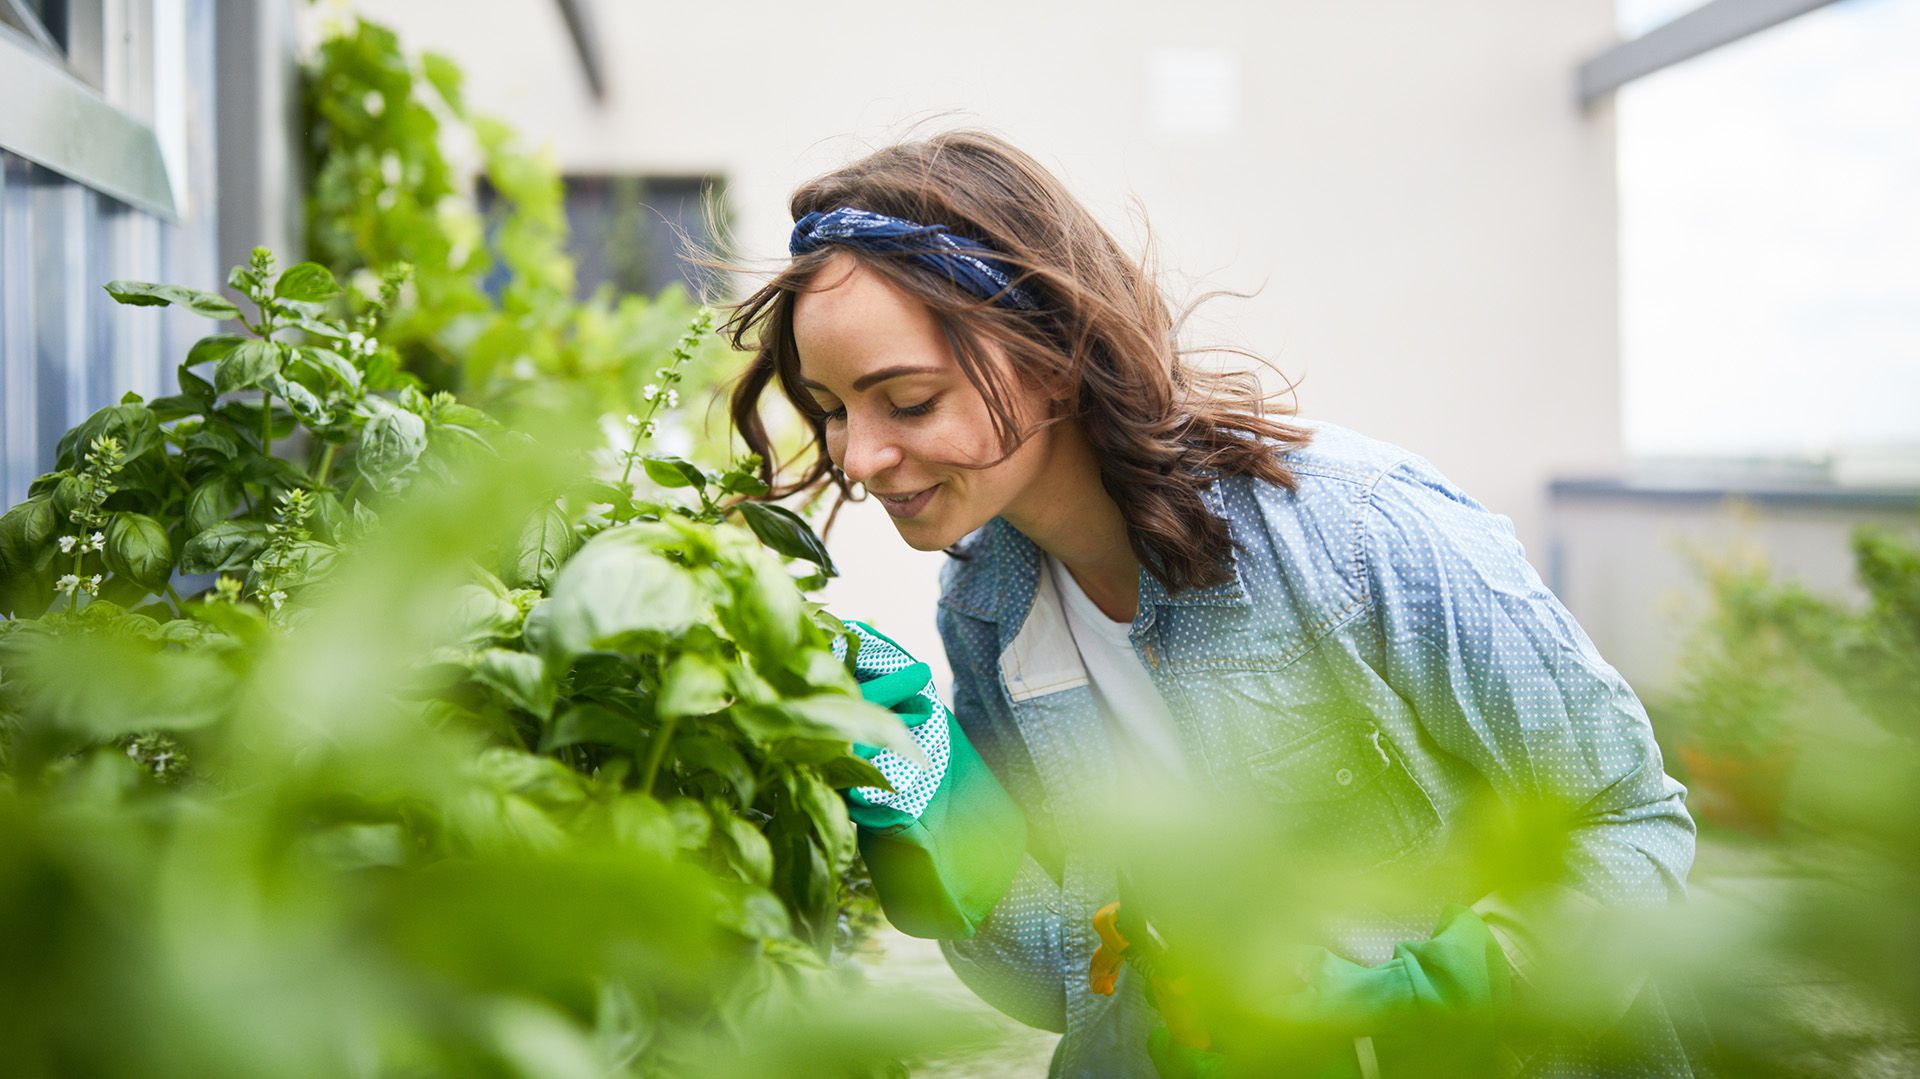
<point x="1804" y="707"/>
<point x="409" y="666"/>
<point x="384" y="192"/>
<point x="1770" y="650"/>
<point x="240" y="472"/>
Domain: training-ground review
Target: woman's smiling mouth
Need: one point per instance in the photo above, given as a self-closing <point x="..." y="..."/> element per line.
<point x="908" y="505"/>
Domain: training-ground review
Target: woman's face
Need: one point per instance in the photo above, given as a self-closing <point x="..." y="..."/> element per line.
<point x="902" y="419"/>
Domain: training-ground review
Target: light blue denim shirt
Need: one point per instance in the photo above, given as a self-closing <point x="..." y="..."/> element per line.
<point x="1381" y="624"/>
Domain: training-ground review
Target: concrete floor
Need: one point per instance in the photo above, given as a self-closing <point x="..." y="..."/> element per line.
<point x="1011" y="1049"/>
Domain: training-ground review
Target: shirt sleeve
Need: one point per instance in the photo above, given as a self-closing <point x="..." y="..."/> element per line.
<point x="1014" y="960"/>
<point x="1501" y="676"/>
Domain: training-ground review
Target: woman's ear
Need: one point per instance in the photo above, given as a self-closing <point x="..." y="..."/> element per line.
<point x="1061" y="396"/>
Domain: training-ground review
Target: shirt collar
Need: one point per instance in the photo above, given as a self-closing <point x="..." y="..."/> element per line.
<point x="1001" y="586"/>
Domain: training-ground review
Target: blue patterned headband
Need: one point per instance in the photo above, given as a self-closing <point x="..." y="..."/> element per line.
<point x="968" y="263"/>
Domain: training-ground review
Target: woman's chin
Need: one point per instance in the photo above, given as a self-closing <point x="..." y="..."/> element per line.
<point x="920" y="537"/>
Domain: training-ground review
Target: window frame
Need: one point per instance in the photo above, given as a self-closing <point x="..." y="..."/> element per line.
<point x="63" y="122"/>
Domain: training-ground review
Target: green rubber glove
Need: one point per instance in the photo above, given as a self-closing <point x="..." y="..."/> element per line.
<point x="944" y="844"/>
<point x="1431" y="1010"/>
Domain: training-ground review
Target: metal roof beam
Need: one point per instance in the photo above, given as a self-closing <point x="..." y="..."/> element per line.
<point x="1705" y="28"/>
<point x="585" y="44"/>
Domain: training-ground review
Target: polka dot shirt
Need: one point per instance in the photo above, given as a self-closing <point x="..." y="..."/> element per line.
<point x="1383" y="633"/>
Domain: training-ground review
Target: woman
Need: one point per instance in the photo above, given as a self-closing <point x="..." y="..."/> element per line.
<point x="1153" y="578"/>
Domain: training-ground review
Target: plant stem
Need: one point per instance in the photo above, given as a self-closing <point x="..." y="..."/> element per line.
<point x="633" y="450"/>
<point x="656" y="751"/>
<point x="326" y="465"/>
<point x="266" y="422"/>
<point x="179" y="605"/>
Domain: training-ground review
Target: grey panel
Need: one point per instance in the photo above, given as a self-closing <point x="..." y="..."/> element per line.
<point x="60" y="122"/>
<point x="19" y="384"/>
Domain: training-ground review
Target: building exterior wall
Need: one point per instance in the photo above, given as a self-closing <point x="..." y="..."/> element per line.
<point x="66" y="349"/>
<point x="1428" y="217"/>
<point x="1627" y="559"/>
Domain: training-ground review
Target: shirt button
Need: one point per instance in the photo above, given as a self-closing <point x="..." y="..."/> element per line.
<point x="1344" y="777"/>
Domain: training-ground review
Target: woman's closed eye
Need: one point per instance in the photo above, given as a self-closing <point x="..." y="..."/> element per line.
<point x="899" y="412"/>
<point x="920" y="409"/>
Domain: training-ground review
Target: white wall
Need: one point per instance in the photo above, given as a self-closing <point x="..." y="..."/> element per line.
<point x="1626" y="561"/>
<point x="1431" y="217"/>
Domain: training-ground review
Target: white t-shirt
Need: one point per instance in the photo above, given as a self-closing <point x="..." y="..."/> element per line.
<point x="1141" y="728"/>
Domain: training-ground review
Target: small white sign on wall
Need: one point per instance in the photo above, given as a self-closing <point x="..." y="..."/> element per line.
<point x="1193" y="91"/>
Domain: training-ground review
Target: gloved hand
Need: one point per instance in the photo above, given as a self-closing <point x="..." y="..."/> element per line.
<point x="943" y="845"/>
<point x="1459" y="972"/>
<point x="1429" y="1010"/>
<point x="1127" y="938"/>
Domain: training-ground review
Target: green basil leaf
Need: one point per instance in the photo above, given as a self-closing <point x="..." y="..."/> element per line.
<point x="137" y="549"/>
<point x="24" y="530"/>
<point x="334" y="365"/>
<point x="710" y="753"/>
<point x="750" y="853"/>
<point x="768" y="610"/>
<point x="475" y="613"/>
<point x="316" y="327"/>
<point x="693" y="685"/>
<point x="68" y="496"/>
<point x="844" y="772"/>
<point x="544" y="544"/>
<point x="390" y="446"/>
<point x="212" y="349"/>
<point x="250" y="363"/>
<point x="784" y="531"/>
<point x="307" y="282"/>
<point x="215" y="440"/>
<point x="299" y="564"/>
<point x="227" y="547"/>
<point x="145" y="294"/>
<point x="824" y="806"/>
<point x="597" y="724"/>
<point x="302" y="401"/>
<point x="196" y="387"/>
<point x="176" y="406"/>
<point x="134" y="426"/>
<point x="213" y="501"/>
<point x="445" y="76"/>
<point x="674" y="472"/>
<point x="828" y="716"/>
<point x="743" y="483"/>
<point x="519" y="677"/>
<point x="618" y="590"/>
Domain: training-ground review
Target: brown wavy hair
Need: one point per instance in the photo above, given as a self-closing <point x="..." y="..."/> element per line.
<point x="1103" y="339"/>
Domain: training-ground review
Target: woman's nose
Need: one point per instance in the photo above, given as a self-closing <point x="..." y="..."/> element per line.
<point x="868" y="451"/>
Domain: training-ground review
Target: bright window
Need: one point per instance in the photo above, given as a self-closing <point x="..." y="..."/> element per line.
<point x="1770" y="240"/>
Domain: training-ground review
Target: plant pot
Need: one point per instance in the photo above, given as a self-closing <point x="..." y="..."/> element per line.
<point x="1737" y="791"/>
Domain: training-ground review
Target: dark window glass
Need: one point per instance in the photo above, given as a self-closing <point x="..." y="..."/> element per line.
<point x="53" y="18"/>
<point x="625" y="231"/>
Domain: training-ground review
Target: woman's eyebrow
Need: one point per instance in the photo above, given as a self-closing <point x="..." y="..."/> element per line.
<point x="874" y="378"/>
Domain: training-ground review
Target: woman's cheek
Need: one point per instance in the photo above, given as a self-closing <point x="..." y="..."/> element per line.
<point x="836" y="444"/>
